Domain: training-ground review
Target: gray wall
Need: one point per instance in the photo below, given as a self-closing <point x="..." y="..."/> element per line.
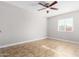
<point x="19" y="25"/>
<point x="52" y="27"/>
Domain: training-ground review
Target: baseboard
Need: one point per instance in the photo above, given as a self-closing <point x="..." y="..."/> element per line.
<point x="64" y="40"/>
<point x="13" y="44"/>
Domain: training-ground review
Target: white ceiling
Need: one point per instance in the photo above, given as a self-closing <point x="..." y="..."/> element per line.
<point x="63" y="7"/>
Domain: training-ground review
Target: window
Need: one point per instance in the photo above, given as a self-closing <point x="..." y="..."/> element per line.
<point x="65" y="25"/>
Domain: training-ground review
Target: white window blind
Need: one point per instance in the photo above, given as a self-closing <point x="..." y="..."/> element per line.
<point x="65" y="25"/>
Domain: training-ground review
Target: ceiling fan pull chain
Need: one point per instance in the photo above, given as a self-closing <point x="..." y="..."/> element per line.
<point x="47" y="11"/>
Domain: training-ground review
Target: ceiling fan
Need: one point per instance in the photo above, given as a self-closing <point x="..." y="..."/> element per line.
<point x="47" y="5"/>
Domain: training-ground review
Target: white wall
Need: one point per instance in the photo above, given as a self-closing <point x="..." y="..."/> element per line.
<point x="52" y="27"/>
<point x="19" y="25"/>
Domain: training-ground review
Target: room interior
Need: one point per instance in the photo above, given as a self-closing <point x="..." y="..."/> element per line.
<point x="27" y="32"/>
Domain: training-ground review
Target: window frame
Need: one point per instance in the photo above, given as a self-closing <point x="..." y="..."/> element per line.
<point x="65" y="25"/>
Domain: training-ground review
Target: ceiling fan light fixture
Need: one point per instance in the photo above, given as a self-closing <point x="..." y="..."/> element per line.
<point x="48" y="5"/>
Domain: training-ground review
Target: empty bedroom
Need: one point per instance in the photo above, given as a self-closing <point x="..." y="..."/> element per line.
<point x="39" y="28"/>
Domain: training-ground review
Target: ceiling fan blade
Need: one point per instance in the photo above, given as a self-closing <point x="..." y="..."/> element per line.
<point x="55" y="2"/>
<point x="41" y="9"/>
<point x="42" y="4"/>
<point x="54" y="8"/>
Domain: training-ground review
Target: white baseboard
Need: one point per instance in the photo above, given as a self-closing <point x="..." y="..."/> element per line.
<point x="8" y="45"/>
<point x="13" y="44"/>
<point x="64" y="40"/>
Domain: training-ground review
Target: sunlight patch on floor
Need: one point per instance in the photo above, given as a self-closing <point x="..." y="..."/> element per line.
<point x="60" y="51"/>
